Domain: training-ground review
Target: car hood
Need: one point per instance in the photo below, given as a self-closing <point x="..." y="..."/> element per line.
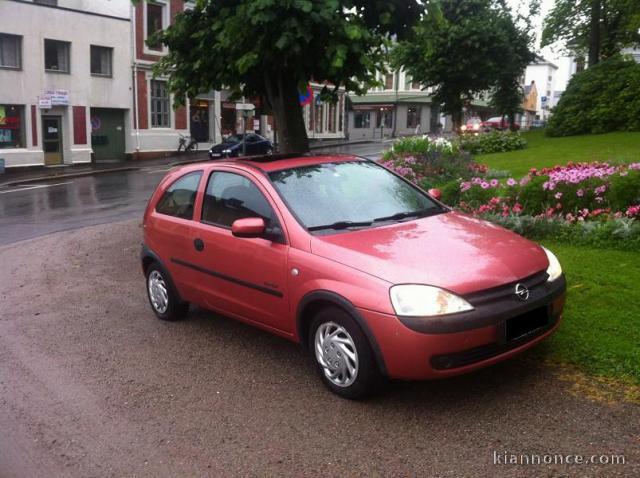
<point x="448" y="250"/>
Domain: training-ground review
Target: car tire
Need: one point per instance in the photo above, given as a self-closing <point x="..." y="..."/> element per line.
<point x="162" y="297"/>
<point x="342" y="355"/>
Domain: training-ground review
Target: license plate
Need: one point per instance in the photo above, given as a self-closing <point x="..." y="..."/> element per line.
<point x="526" y="324"/>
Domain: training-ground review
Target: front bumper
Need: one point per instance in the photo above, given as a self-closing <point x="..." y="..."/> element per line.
<point x="458" y="343"/>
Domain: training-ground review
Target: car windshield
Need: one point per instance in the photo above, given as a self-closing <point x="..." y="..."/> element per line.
<point x="349" y="195"/>
<point x="235" y="138"/>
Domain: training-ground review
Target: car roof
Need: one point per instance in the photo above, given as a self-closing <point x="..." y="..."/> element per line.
<point x="270" y="163"/>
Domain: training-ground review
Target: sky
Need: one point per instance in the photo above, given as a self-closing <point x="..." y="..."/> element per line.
<point x="545" y="5"/>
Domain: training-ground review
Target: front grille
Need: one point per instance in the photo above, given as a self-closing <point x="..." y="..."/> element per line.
<point x="516" y="331"/>
<point x="507" y="290"/>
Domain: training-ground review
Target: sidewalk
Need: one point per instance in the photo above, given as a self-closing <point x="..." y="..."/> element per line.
<point x="15" y="176"/>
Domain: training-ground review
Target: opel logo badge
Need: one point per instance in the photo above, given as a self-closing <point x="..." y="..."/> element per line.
<point x="522" y="292"/>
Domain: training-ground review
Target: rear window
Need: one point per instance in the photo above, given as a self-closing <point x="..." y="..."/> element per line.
<point x="179" y="199"/>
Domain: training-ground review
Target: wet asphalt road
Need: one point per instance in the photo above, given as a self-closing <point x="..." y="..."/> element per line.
<point x="60" y="204"/>
<point x="93" y="385"/>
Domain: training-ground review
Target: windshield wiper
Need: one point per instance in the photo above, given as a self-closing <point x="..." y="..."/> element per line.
<point x="341" y="225"/>
<point x="407" y="214"/>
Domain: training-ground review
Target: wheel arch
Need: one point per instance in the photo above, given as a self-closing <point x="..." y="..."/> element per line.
<point x="148" y="257"/>
<point x="314" y="301"/>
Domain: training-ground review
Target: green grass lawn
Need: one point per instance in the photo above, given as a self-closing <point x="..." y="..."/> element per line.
<point x="600" y="332"/>
<point x="543" y="151"/>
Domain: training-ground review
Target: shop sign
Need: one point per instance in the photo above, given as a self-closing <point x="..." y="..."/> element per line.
<point x="57" y="97"/>
<point x="245" y="106"/>
<point x="44" y="102"/>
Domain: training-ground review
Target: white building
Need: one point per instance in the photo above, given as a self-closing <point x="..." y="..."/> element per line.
<point x="543" y="73"/>
<point x="65" y="81"/>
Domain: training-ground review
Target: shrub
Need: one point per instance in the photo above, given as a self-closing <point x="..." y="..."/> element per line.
<point x="624" y="189"/>
<point x="429" y="163"/>
<point x="600" y="99"/>
<point x="616" y="233"/>
<point x="493" y="142"/>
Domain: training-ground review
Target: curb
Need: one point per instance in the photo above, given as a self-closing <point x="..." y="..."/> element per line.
<point x="337" y="145"/>
<point x="49" y="177"/>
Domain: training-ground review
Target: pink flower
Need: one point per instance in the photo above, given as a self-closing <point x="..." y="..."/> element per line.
<point x="465" y="186"/>
<point x="600" y="189"/>
<point x="558" y="195"/>
<point x="580" y="192"/>
<point x="511" y="182"/>
<point x="517" y="208"/>
<point x="484" y="185"/>
<point x="494" y="183"/>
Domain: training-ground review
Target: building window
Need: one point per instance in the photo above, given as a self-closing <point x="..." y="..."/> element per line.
<point x="155" y="23"/>
<point x="388" y="81"/>
<point x="362" y="119"/>
<point x="56" y="56"/>
<point x="413" y="116"/>
<point x="11" y="126"/>
<point x="10" y="51"/>
<point x="160" y="104"/>
<point x="331" y="120"/>
<point x="384" y="119"/>
<point x="318" y="117"/>
<point x="101" y="58"/>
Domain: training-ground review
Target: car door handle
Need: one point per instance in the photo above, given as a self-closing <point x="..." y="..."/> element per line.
<point x="198" y="244"/>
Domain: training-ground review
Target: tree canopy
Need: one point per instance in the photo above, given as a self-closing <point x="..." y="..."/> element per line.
<point x="273" y="48"/>
<point x="464" y="48"/>
<point x="600" y="28"/>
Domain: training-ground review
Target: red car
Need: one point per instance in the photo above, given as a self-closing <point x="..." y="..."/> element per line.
<point x="498" y="122"/>
<point x="374" y="276"/>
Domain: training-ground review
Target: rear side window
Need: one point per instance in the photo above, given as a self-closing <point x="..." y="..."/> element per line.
<point x="230" y="196"/>
<point x="179" y="199"/>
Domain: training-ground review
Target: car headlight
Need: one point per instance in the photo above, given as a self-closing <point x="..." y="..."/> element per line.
<point x="554" y="270"/>
<point x="414" y="300"/>
<point x="226" y="151"/>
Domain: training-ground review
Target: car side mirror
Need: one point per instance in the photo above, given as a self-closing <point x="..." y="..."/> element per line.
<point x="435" y="193"/>
<point x="248" y="227"/>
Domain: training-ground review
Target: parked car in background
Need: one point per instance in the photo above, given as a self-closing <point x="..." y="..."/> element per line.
<point x="473" y="125"/>
<point x="372" y="275"/>
<point x="538" y="123"/>
<point x="232" y="146"/>
<point x="499" y="123"/>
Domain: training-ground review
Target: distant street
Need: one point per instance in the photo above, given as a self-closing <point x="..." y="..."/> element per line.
<point x="33" y="210"/>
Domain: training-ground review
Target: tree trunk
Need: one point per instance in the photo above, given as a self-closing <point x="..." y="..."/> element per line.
<point x="594" y="32"/>
<point x="282" y="93"/>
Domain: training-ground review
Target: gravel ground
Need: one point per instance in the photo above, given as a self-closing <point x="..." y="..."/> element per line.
<point x="92" y="384"/>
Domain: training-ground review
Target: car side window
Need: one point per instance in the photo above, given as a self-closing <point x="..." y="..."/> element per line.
<point x="230" y="196"/>
<point x="179" y="199"/>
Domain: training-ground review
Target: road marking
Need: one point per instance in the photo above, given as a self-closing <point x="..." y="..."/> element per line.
<point x="34" y="187"/>
<point x="159" y="170"/>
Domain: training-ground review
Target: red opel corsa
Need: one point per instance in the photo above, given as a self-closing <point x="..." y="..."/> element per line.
<point x="374" y="276"/>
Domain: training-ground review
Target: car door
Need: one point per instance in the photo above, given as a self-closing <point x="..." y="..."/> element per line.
<point x="245" y="277"/>
<point x="170" y="227"/>
<point x="253" y="145"/>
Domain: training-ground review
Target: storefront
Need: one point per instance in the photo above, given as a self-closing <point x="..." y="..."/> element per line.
<point x="107" y="134"/>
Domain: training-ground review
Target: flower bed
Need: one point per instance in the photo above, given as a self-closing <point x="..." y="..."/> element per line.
<point x="551" y="202"/>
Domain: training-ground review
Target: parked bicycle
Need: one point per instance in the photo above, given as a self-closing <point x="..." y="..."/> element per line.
<point x="187" y="143"/>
